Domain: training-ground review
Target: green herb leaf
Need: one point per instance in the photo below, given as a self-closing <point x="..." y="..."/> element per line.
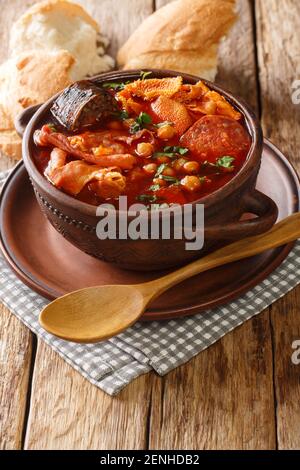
<point x="154" y="187"/>
<point x="225" y="162"/>
<point x="147" y="198"/>
<point x="144" y="118"/>
<point x="144" y="75"/>
<point x="114" y="86"/>
<point x="171" y="152"/>
<point x="174" y="149"/>
<point x="160" y="169"/>
<point x="52" y="126"/>
<point x="140" y="123"/>
<point x="170" y="179"/>
<point x="164" y="154"/>
<point x="121" y="115"/>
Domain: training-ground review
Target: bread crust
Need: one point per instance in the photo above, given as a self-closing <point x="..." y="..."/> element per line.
<point x="68" y="9"/>
<point x="21" y="86"/>
<point x="183" y="35"/>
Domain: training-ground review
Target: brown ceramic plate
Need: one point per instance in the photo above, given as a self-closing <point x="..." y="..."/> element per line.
<point x="51" y="266"/>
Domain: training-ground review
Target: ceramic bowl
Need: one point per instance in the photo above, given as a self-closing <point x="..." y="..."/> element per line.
<point x="224" y="208"/>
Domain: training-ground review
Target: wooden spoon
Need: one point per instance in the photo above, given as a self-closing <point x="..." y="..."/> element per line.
<point x="97" y="313"/>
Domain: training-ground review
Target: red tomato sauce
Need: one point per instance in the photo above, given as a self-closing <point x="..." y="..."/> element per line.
<point x="168" y="167"/>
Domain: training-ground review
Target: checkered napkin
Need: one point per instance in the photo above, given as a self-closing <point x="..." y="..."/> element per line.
<point x="160" y="346"/>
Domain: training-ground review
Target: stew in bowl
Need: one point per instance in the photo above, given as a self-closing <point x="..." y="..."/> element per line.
<point x="155" y="140"/>
<point x="160" y="138"/>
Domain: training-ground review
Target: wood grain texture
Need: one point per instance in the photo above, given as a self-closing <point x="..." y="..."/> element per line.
<point x="279" y="64"/>
<point x="15" y="359"/>
<point x="223" y="399"/>
<point x="16" y="339"/>
<point x="118" y="19"/>
<point x="67" y="412"/>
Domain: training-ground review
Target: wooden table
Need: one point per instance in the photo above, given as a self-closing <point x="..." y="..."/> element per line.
<point x="241" y="393"/>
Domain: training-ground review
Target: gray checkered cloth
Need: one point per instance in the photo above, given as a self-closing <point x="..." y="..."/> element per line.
<point x="162" y="346"/>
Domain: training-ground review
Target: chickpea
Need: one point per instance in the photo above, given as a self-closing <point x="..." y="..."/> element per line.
<point x="179" y="164"/>
<point x="150" y="168"/>
<point x="160" y="182"/>
<point x="191" y="167"/>
<point x="168" y="171"/>
<point x="162" y="159"/>
<point x="115" y="125"/>
<point x="144" y="149"/>
<point x="191" y="183"/>
<point x="166" y="132"/>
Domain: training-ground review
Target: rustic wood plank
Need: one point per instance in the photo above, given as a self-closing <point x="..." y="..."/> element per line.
<point x="279" y="62"/>
<point x="286" y="330"/>
<point x="15" y="359"/>
<point x="16" y="339"/>
<point x="223" y="399"/>
<point x="67" y="412"/>
<point x="118" y="19"/>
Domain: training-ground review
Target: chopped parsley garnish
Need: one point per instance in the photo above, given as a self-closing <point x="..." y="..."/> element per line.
<point x="158" y="174"/>
<point x="144" y="75"/>
<point x="160" y="169"/>
<point x="154" y="187"/>
<point x="140" y="123"/>
<point x="170" y="179"/>
<point x="52" y="126"/>
<point x="115" y="86"/>
<point x="121" y="115"/>
<point x="164" y="154"/>
<point x="147" y="198"/>
<point x="174" y="149"/>
<point x="225" y="162"/>
<point x="171" y="152"/>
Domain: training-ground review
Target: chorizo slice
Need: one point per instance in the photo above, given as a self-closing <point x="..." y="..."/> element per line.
<point x="215" y="136"/>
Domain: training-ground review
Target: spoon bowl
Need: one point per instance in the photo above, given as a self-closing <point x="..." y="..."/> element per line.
<point x="109" y="309"/>
<point x="97" y="313"/>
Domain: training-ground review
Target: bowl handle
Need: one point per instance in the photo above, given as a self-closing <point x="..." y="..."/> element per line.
<point x="255" y="203"/>
<point x="23" y="119"/>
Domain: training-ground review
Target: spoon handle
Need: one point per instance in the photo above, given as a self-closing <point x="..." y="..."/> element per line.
<point x="284" y="232"/>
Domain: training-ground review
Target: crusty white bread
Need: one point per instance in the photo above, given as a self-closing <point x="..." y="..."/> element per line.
<point x="26" y="80"/>
<point x="183" y="35"/>
<point x="61" y="25"/>
<point x="52" y="44"/>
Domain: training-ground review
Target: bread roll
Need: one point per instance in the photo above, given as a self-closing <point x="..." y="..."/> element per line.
<point x="55" y="25"/>
<point x="54" y="43"/>
<point x="183" y="36"/>
<point x="25" y="81"/>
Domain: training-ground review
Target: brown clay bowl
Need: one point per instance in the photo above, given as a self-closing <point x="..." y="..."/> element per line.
<point x="224" y="208"/>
